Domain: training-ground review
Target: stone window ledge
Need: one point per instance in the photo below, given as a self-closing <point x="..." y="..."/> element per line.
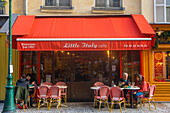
<point x="109" y="10"/>
<point x="55" y="9"/>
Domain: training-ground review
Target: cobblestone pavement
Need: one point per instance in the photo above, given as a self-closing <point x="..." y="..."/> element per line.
<point x="87" y="107"/>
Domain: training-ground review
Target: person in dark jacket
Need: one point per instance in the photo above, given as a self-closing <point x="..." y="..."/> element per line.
<point x="124" y="81"/>
<point x="22" y="89"/>
<point x="22" y="82"/>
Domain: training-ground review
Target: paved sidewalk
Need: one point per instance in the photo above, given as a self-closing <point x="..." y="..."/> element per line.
<point x="87" y="107"/>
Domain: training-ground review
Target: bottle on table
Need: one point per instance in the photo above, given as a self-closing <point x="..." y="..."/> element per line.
<point x="112" y="84"/>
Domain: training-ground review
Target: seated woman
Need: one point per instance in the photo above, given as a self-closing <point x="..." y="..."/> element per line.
<point x="141" y="84"/>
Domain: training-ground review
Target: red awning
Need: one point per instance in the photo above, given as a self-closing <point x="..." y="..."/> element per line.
<point x="124" y="32"/>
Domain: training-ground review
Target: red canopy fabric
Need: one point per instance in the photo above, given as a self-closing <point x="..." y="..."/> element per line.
<point x="125" y="32"/>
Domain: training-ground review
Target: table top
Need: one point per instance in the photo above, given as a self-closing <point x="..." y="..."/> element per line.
<point x="62" y="87"/>
<point x="132" y="88"/>
<point x="97" y="88"/>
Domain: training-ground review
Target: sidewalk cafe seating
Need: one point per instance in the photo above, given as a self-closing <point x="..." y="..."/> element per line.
<point x="103" y="96"/>
<point x="63" y="91"/>
<point x="47" y="83"/>
<point x="97" y="84"/>
<point x="43" y="95"/>
<point x="55" y="96"/>
<point x="115" y="95"/>
<point x="150" y="97"/>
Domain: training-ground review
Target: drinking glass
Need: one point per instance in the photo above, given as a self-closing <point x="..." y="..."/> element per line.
<point x="133" y="83"/>
<point x="129" y="83"/>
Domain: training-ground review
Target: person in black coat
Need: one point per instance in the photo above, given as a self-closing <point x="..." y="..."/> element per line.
<point x="22" y="82"/>
<point x="124" y="81"/>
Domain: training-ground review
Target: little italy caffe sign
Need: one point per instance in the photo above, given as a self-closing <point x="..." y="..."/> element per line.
<point x="84" y="45"/>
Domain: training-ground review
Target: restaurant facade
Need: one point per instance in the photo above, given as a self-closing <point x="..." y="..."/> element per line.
<point x="82" y="50"/>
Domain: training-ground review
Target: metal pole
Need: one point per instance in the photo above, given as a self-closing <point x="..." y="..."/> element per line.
<point x="9" y="106"/>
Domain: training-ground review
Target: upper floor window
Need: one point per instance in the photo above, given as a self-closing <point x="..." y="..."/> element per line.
<point x="58" y="3"/>
<point x="109" y="3"/>
<point x="162" y="11"/>
<point x="2" y="6"/>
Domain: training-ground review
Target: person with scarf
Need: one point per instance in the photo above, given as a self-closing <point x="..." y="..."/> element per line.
<point x="141" y="83"/>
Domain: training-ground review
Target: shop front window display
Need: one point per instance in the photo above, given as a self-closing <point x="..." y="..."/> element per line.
<point x="161" y="63"/>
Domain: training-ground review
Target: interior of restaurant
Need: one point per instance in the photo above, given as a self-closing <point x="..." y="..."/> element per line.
<point x="80" y="69"/>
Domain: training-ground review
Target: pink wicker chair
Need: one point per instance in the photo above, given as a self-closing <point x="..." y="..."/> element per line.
<point x="148" y="85"/>
<point x="43" y="94"/>
<point x="55" y="96"/>
<point x="97" y="84"/>
<point x="103" y="97"/>
<point x="47" y="83"/>
<point x="63" y="91"/>
<point x="150" y="97"/>
<point x="115" y="96"/>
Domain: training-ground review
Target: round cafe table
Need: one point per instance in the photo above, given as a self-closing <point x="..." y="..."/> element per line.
<point x="131" y="93"/>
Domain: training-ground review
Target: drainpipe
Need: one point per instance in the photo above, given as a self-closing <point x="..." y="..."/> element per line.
<point x="25" y="7"/>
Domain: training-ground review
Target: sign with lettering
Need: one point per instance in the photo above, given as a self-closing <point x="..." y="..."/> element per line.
<point x="84" y="45"/>
<point x="130" y="45"/>
<point x="28" y="45"/>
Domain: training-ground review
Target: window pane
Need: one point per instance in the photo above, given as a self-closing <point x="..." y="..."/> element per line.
<point x="159" y="14"/>
<point x="64" y="2"/>
<point x="46" y="65"/>
<point x="114" y="3"/>
<point x="168" y="14"/>
<point x="167" y="64"/>
<point x="131" y="63"/>
<point x="49" y="2"/>
<point x="159" y="1"/>
<point x="100" y="3"/>
<point x="29" y="64"/>
<point x="115" y="66"/>
<point x="167" y="2"/>
<point x="100" y="66"/>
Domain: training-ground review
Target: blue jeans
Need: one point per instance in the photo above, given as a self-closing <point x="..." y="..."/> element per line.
<point x="136" y="95"/>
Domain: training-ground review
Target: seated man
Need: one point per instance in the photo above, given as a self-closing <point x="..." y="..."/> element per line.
<point x="22" y="90"/>
<point x="124" y="81"/>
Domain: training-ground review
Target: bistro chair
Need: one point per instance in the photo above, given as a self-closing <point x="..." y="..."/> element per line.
<point x="103" y="97"/>
<point x="32" y="95"/>
<point x="47" y="83"/>
<point x="43" y="95"/>
<point x="141" y="96"/>
<point x="97" y="84"/>
<point x="115" y="96"/>
<point x="148" y="85"/>
<point x="149" y="97"/>
<point x="55" y="96"/>
<point x="63" y="91"/>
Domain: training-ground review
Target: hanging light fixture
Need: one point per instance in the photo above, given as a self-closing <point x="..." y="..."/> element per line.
<point x="158" y="31"/>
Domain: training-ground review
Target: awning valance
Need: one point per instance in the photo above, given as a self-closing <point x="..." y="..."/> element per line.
<point x="126" y="32"/>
